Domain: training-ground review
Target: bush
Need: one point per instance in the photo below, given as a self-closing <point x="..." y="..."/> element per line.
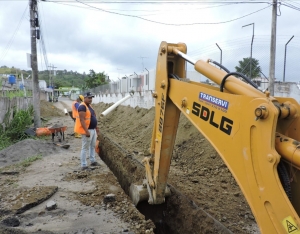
<point x="14" y="130"/>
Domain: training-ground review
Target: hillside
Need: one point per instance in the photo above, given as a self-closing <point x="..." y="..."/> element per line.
<point x="63" y="78"/>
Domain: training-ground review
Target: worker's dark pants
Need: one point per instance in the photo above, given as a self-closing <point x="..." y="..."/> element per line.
<point x="71" y="115"/>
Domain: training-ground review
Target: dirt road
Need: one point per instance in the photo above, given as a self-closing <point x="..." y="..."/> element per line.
<point x="86" y="202"/>
<point x="196" y="171"/>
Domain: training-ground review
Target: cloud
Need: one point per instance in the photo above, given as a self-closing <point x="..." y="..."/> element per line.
<point x="79" y="38"/>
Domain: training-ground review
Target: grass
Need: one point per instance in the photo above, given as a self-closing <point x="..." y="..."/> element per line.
<point x="14" y="130"/>
<point x="22" y="165"/>
<point x="19" y="167"/>
<point x="28" y="161"/>
<point x="18" y="93"/>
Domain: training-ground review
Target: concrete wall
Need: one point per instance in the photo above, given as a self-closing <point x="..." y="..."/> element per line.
<point x="6" y="104"/>
<point x="287" y="89"/>
<point x="142" y="99"/>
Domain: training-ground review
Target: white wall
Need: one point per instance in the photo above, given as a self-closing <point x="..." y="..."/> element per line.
<point x="142" y="99"/>
<point x="287" y="89"/>
<point x="42" y="84"/>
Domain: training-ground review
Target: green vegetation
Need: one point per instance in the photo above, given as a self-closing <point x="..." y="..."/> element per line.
<point x="63" y="77"/>
<point x="244" y="67"/>
<point x="28" y="161"/>
<point x="18" y="93"/>
<point x="14" y="130"/>
<point x="95" y="79"/>
<point x="18" y="167"/>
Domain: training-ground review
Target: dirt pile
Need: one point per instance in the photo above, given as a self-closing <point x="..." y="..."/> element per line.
<point x="25" y="149"/>
<point x="196" y="171"/>
<point x="48" y="109"/>
<point x="27" y="185"/>
<point x="196" y="168"/>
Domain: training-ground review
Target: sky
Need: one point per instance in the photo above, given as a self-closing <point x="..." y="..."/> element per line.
<point x="123" y="37"/>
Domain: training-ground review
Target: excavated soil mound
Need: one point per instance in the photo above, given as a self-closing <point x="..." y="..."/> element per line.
<point x="26" y="149"/>
<point x="196" y="170"/>
<point x="49" y="110"/>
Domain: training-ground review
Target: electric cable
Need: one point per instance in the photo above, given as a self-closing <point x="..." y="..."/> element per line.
<point x="291" y="6"/>
<point x="143" y="10"/>
<point x="171" y="24"/>
<point x="6" y="49"/>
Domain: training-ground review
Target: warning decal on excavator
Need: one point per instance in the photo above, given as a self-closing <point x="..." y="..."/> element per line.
<point x="290" y="225"/>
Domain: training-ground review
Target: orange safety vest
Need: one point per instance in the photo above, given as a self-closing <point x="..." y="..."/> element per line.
<point x="74" y="110"/>
<point x="78" y="127"/>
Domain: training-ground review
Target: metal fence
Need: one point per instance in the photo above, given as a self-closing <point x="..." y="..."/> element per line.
<point x="20" y="103"/>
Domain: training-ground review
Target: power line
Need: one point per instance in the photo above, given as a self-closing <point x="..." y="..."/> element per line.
<point x="13" y="36"/>
<point x="170" y="24"/>
<point x="42" y="44"/>
<point x="291" y="6"/>
<point x="155" y="2"/>
<point x="156" y="11"/>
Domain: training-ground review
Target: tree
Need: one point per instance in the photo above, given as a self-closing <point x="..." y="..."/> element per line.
<point x="95" y="79"/>
<point x="244" y="67"/>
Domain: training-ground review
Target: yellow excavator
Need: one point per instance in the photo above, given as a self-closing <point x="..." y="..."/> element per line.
<point x="256" y="135"/>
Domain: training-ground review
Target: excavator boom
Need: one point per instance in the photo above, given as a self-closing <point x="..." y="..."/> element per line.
<point x="255" y="134"/>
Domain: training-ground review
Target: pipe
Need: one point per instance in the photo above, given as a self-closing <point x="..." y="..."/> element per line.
<point x="108" y="110"/>
<point x="66" y="112"/>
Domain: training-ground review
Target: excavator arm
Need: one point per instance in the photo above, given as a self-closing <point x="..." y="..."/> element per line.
<point x="253" y="133"/>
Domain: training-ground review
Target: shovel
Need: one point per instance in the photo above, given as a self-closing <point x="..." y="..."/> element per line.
<point x="62" y="146"/>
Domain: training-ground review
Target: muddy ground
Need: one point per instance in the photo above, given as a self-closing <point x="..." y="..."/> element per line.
<point x="196" y="171"/>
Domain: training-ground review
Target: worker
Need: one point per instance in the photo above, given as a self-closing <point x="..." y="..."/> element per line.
<point x="86" y="125"/>
<point x="75" y="115"/>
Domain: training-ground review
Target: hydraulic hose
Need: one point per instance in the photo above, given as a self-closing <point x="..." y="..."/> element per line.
<point x="174" y="76"/>
<point x="220" y="65"/>
<point x="237" y="74"/>
<point x="284" y="178"/>
<point x="232" y="73"/>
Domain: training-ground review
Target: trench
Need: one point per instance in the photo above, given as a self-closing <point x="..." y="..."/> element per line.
<point x="178" y="214"/>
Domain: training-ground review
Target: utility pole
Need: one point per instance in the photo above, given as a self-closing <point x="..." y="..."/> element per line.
<point x="34" y="65"/>
<point x="142" y="62"/>
<point x="273" y="49"/>
<point x="119" y="69"/>
<point x="51" y="81"/>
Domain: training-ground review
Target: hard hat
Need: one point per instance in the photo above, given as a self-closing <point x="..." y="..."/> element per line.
<point x="81" y="97"/>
